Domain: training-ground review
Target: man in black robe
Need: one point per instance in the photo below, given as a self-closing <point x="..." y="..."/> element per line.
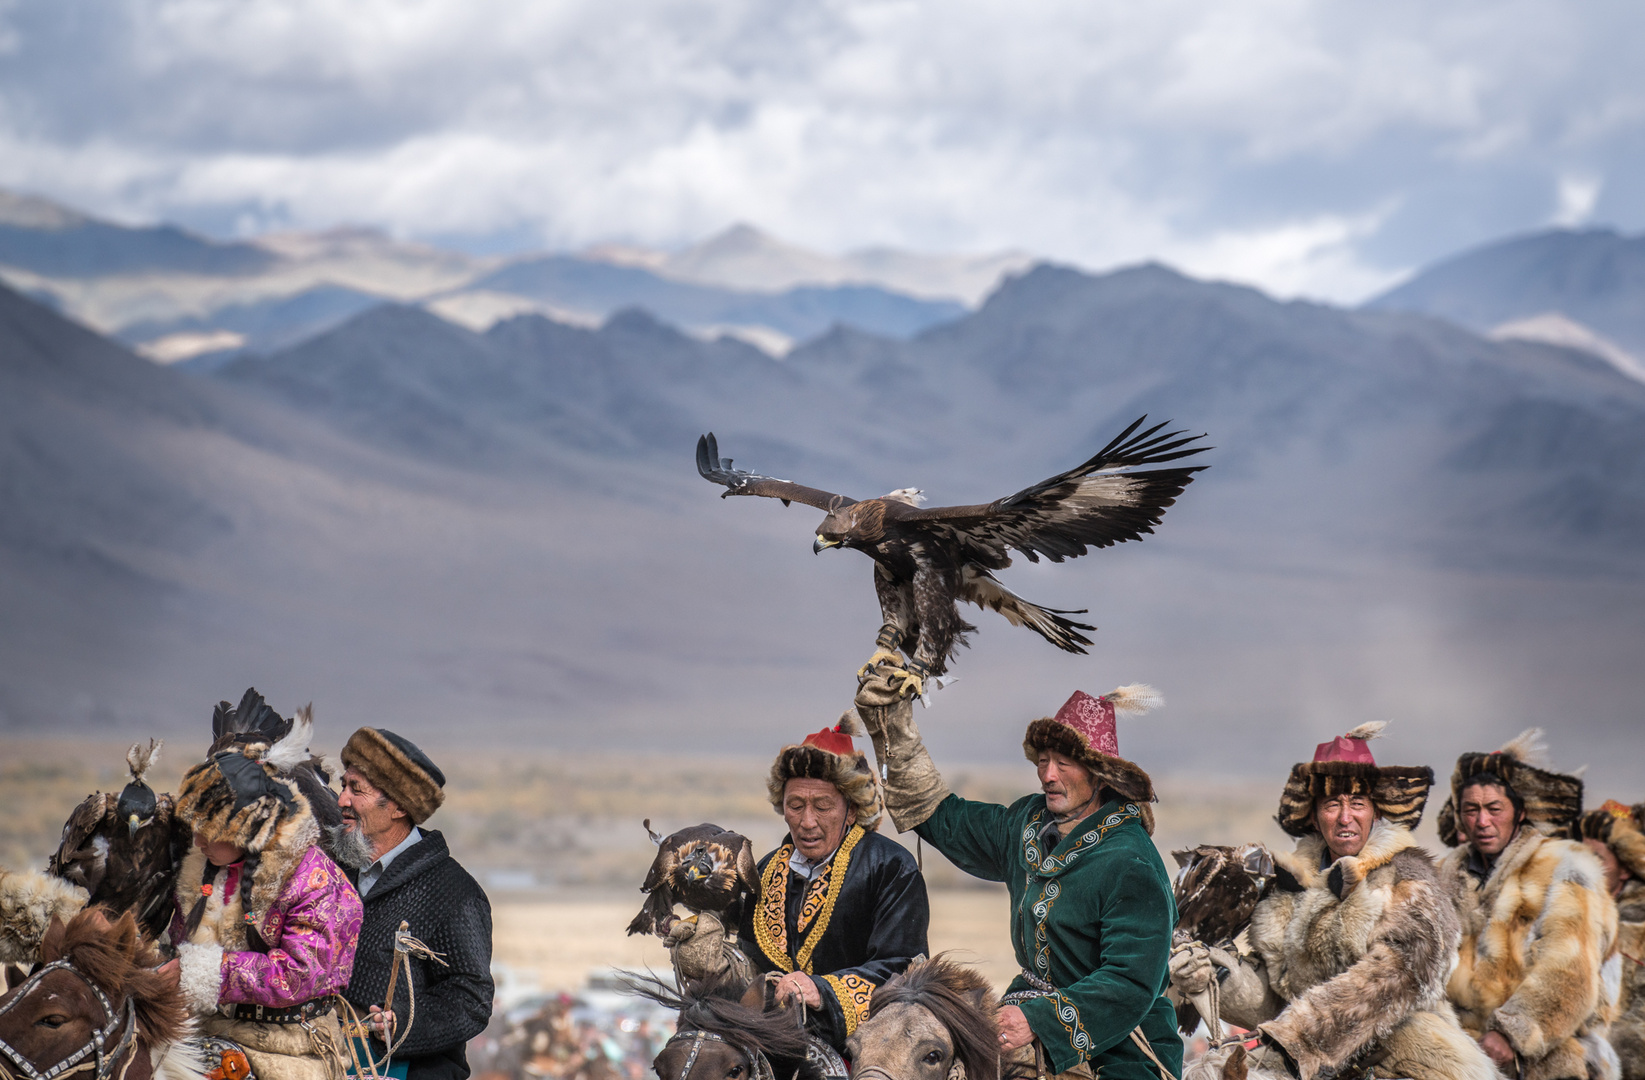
<point x="841" y="908"/>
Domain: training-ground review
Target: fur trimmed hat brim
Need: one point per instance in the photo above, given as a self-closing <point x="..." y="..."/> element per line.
<point x="850" y="773"/>
<point x="1129" y="782"/>
<point x="398" y="768"/>
<point x="1551" y="799"/>
<point x="222" y="809"/>
<point x="1620" y="832"/>
<point x="1398" y="792"/>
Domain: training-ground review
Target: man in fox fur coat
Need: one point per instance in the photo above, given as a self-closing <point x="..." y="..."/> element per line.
<point x="1616" y="834"/>
<point x="1537" y="970"/>
<point x="1353" y="939"/>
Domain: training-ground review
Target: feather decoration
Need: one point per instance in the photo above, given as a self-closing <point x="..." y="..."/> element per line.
<point x="907" y="496"/>
<point x="850" y="725"/>
<point x="1134" y="699"/>
<point x="1528" y="748"/>
<point x="140" y="759"/>
<point x="291" y="749"/>
<point x="1369" y="730"/>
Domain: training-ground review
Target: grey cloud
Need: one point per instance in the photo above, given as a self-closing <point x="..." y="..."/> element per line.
<point x="1095" y="132"/>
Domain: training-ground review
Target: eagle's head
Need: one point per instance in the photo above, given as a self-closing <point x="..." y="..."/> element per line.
<point x="136" y="806"/>
<point x="859" y="525"/>
<point x="699" y="865"/>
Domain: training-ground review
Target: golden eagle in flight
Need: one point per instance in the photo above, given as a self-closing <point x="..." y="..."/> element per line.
<point x="926" y="560"/>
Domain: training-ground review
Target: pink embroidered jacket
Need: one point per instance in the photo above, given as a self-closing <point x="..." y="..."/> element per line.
<point x="312" y="930"/>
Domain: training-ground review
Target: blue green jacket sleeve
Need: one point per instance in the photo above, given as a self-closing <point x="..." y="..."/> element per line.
<point x="977" y="837"/>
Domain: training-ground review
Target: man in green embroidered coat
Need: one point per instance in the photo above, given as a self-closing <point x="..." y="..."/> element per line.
<point x="841" y="908"/>
<point x="1091" y="903"/>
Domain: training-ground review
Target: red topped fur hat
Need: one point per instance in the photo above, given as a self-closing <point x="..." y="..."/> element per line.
<point x="830" y="755"/>
<point x="1084" y="730"/>
<point x="1346" y="766"/>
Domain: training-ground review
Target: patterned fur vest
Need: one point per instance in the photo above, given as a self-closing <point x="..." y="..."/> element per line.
<point x="1354" y="955"/>
<point x="1538" y="949"/>
<point x="1628" y="1029"/>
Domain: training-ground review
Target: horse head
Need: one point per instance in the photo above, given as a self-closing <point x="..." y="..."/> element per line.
<point x="932" y="1022"/>
<point x="723" y="1032"/>
<point x="93" y="1003"/>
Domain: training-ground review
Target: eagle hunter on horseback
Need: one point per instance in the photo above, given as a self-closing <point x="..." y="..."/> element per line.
<point x="1351" y="942"/>
<point x="1091" y="903"/>
<point x="840" y="908"/>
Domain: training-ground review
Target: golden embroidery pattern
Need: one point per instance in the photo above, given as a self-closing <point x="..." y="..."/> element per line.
<point x="770" y="924"/>
<point x="814" y="897"/>
<point x="853" y="993"/>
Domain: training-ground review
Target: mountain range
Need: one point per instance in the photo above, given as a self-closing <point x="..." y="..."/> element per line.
<point x="497" y="533"/>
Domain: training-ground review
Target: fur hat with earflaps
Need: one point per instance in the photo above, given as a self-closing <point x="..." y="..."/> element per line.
<point x="830" y="755"/>
<point x="1550" y="799"/>
<point x="1345" y="766"/>
<point x="248" y="793"/>
<point x="1622" y="829"/>
<point x="1084" y="729"/>
<point x="397" y="767"/>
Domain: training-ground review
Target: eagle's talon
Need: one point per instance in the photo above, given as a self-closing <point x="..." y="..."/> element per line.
<point x="881" y="656"/>
<point x="906" y="682"/>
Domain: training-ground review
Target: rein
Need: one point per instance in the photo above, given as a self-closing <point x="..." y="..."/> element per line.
<point x="96" y="1047"/>
<point x="760" y="1064"/>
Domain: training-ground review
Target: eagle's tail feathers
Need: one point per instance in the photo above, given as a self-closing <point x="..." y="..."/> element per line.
<point x="985" y="590"/>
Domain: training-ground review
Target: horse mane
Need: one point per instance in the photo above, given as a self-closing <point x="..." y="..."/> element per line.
<point x="115" y="956"/>
<point x="960" y="999"/>
<point x="716" y="1006"/>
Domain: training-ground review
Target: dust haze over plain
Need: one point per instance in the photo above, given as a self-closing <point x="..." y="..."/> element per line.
<point x="498" y="533"/>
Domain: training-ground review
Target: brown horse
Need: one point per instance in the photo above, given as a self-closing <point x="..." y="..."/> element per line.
<point x="95" y="1009"/>
<point x="724" y="1033"/>
<point x="935" y="1021"/>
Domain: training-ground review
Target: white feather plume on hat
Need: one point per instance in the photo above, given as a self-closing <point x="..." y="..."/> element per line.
<point x="1134" y="699"/>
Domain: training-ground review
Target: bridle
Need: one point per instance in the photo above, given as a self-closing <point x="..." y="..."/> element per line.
<point x="103" y="1059"/>
<point x="757" y="1059"/>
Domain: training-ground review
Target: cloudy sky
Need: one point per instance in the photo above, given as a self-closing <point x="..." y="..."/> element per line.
<point x="1314" y="147"/>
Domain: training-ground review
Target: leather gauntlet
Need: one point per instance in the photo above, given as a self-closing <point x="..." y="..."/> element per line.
<point x="913" y="787"/>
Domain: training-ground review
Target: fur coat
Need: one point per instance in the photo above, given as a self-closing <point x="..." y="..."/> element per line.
<point x="1351" y="958"/>
<point x="1628" y="1029"/>
<point x="1538" y="960"/>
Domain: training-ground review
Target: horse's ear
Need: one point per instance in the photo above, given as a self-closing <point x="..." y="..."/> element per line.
<point x="51" y="943"/>
<point x="1236" y="1067"/>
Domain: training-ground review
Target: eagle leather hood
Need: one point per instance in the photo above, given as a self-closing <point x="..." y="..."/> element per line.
<point x="830" y="755"/>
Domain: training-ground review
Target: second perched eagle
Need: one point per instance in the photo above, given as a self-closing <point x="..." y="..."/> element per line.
<point x="705" y="867"/>
<point x="124" y="849"/>
<point x="926" y="560"/>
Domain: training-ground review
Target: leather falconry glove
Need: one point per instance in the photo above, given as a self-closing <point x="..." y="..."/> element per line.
<point x="1190" y="969"/>
<point x="1244" y="989"/>
<point x="913" y="787"/>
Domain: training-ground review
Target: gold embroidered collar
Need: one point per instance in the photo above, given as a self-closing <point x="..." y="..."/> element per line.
<point x="771" y="920"/>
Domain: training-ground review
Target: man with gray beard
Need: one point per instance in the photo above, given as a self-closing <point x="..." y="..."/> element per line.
<point x="405" y="873"/>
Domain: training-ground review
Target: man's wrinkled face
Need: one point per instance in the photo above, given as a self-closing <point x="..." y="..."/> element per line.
<point x="1345" y="821"/>
<point x="1487" y="818"/>
<point x="368" y="811"/>
<point x="1066" y="783"/>
<point x="816" y="814"/>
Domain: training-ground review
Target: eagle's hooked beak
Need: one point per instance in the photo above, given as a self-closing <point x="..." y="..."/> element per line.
<point x="133" y="824"/>
<point x="817" y="548"/>
<point x="694" y="873"/>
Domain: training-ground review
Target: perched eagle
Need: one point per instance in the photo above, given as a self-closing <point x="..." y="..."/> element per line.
<point x="124" y="849"/>
<point x="1217" y="889"/>
<point x="704" y="867"/>
<point x="927" y="560"/>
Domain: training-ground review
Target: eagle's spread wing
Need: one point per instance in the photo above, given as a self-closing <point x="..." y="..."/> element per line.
<point x="742" y="482"/>
<point x="1088" y="506"/>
